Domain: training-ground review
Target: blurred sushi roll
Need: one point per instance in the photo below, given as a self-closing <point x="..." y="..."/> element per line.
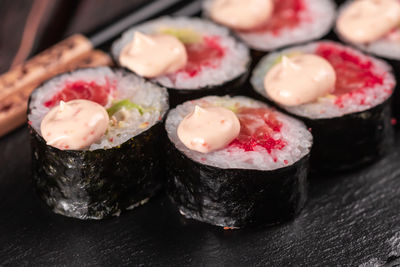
<point x="96" y="138"/>
<point x="266" y="25"/>
<point x="235" y="162"/>
<point x="190" y="56"/>
<point x="374" y="27"/>
<point x="341" y="94"/>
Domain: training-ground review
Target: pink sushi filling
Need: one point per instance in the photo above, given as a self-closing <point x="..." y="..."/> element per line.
<point x="286" y="15"/>
<point x="257" y="127"/>
<point x="82" y="90"/>
<point x="207" y="53"/>
<point x="354" y="75"/>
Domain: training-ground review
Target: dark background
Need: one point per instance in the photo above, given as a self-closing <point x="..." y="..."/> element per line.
<point x="61" y="18"/>
<point x="350" y="219"/>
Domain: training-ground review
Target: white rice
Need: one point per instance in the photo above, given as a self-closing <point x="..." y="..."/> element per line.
<point x="234" y="63"/>
<point x="325" y="107"/>
<point x="322" y="13"/>
<point x="128" y="86"/>
<point x="293" y="132"/>
<point x="387" y="47"/>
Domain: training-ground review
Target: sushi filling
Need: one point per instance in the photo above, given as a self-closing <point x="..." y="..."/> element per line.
<point x="80" y="89"/>
<point x="267" y="139"/>
<point x="258" y="128"/>
<point x="132" y="104"/>
<point x="361" y="82"/>
<point x="291" y="21"/>
<point x="213" y="56"/>
<point x="206" y="53"/>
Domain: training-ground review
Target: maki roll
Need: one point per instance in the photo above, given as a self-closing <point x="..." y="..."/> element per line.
<point x="190" y="56"/>
<point x="269" y="24"/>
<point x="234" y="162"/>
<point x="341" y="94"/>
<point x="95" y="137"/>
<point x="373" y="26"/>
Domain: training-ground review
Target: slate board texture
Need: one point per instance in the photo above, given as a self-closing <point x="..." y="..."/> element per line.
<point x="349" y="220"/>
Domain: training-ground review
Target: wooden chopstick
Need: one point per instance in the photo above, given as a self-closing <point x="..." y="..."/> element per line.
<point x="44" y="65"/>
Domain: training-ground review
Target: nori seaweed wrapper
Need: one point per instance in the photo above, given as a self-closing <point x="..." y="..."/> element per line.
<point x="351" y="141"/>
<point x="100" y="183"/>
<point x="235" y="197"/>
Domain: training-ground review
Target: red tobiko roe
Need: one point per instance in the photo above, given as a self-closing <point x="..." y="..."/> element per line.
<point x="286" y="14"/>
<point x="204" y="54"/>
<point x="353" y="74"/>
<point x="82" y="90"/>
<point x="257" y="125"/>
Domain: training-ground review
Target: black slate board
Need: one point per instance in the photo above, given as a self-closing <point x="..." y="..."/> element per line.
<point x="348" y="220"/>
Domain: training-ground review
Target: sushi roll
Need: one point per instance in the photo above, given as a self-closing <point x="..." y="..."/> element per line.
<point x="341" y="94"/>
<point x="235" y="162"/>
<point x="266" y="25"/>
<point x="373" y="26"/>
<point x="96" y="138"/>
<point x="205" y="60"/>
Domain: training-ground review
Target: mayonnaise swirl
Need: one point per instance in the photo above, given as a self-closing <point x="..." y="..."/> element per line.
<point x="153" y="55"/>
<point x="75" y="124"/>
<point x="366" y="21"/>
<point x="208" y="129"/>
<point x="300" y="79"/>
<point x="241" y="14"/>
